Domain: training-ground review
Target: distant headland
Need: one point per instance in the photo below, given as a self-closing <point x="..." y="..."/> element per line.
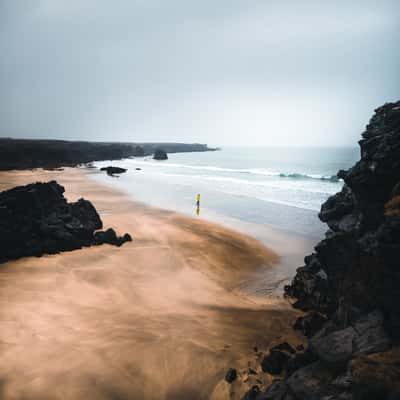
<point x="30" y="153"/>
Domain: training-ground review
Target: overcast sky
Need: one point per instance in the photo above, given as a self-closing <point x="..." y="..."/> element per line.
<point x="211" y="71"/>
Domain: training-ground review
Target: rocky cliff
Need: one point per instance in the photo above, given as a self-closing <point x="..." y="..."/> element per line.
<point x="349" y="288"/>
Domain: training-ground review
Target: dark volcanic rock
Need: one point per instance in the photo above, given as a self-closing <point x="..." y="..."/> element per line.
<point x="160" y="154"/>
<point x="335" y="348"/>
<point x="110" y="237"/>
<point x="277" y="391"/>
<point x="113" y="170"/>
<point x="371" y="335"/>
<point x="231" y="375"/>
<point x="275" y="362"/>
<point x="310" y="382"/>
<point x="36" y="219"/>
<point x="252" y="394"/>
<point x="299" y="360"/>
<point x="310" y="323"/>
<point x="351" y="284"/>
<point x="360" y="258"/>
<point x="284" y="346"/>
<point x="336" y="207"/>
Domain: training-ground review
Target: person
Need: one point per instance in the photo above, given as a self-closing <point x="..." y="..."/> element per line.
<point x="198" y="204"/>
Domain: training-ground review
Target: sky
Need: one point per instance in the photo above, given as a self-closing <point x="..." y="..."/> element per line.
<point x="226" y="72"/>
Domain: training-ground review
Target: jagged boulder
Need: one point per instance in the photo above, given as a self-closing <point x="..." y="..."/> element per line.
<point x="339" y="211"/>
<point x="337" y="206"/>
<point x="113" y="170"/>
<point x="36" y="219"/>
<point x="231" y="375"/>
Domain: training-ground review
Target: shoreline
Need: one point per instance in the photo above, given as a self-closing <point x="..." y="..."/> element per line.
<point x="289" y="244"/>
<point x="162" y="317"/>
<point x="177" y="192"/>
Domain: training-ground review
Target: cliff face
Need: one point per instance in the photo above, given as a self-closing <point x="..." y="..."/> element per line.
<point x="350" y="286"/>
<point x="360" y="255"/>
<point x="26" y="154"/>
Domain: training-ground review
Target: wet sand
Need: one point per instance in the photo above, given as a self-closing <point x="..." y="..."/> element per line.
<point x="162" y="317"/>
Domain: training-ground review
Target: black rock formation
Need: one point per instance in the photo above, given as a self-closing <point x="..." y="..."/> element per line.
<point x="350" y="285"/>
<point x="231" y="375"/>
<point x="110" y="237"/>
<point x="310" y="323"/>
<point x="160" y="154"/>
<point x="252" y="394"/>
<point x="36" y="219"/>
<point x="26" y="154"/>
<point x="113" y="170"/>
<point x="275" y="362"/>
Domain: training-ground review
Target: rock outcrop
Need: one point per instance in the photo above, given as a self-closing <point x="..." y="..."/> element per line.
<point x="36" y="219"/>
<point x="160" y="154"/>
<point x="113" y="170"/>
<point x="350" y="286"/>
<point x="231" y="375"/>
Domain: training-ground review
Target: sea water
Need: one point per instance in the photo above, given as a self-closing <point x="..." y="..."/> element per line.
<point x="280" y="187"/>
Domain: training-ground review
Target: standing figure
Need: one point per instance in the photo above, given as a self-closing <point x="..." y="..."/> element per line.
<point x="198" y="204"/>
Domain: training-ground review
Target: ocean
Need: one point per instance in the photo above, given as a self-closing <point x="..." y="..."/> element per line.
<point x="279" y="187"/>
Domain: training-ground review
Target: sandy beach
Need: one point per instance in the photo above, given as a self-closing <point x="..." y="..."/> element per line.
<point x="162" y="317"/>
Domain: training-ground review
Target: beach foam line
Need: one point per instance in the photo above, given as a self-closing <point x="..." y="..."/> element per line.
<point x="267" y="184"/>
<point x="252" y="171"/>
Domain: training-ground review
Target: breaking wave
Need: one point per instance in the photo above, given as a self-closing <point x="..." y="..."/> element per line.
<point x="252" y="171"/>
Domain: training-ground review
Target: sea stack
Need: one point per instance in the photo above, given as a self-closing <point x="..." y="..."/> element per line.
<point x="160" y="154"/>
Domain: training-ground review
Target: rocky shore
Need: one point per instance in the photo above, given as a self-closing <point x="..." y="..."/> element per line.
<point x="113" y="170"/>
<point x="36" y="219"/>
<point x="349" y="288"/>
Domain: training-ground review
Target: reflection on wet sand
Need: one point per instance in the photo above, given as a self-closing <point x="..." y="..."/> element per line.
<point x="160" y="318"/>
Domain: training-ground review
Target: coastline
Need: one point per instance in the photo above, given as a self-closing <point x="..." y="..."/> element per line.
<point x="290" y="244"/>
<point x="162" y="317"/>
<point x="247" y="196"/>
